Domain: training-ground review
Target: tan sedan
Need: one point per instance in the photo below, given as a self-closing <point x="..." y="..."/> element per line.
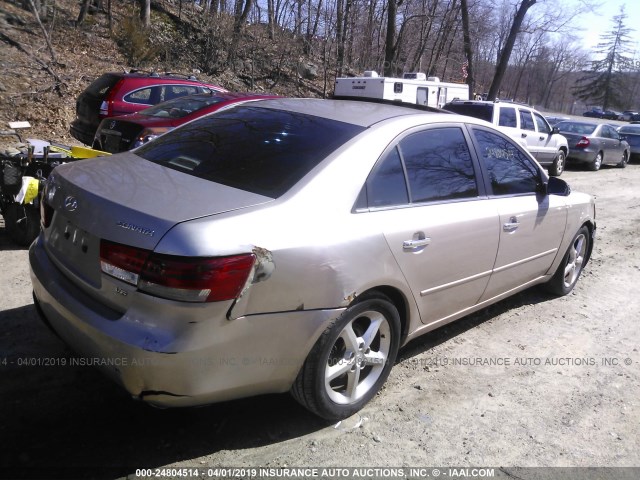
<point x="295" y="245"/>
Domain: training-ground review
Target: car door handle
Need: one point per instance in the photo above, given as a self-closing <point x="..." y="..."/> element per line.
<point x="511" y="225"/>
<point x="413" y="244"/>
<point x="523" y="135"/>
<point x="542" y="138"/>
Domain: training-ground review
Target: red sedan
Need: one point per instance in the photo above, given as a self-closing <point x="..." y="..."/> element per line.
<point x="118" y="134"/>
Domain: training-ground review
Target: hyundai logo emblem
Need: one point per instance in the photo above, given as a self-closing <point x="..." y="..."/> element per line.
<point x="70" y="203"/>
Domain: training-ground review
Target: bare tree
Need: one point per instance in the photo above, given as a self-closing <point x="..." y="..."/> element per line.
<point x="505" y="54"/>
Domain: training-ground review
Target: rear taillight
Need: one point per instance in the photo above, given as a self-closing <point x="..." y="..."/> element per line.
<point x="149" y="134"/>
<point x="583" y="143"/>
<point x="46" y="210"/>
<point x="104" y="108"/>
<point x="187" y="279"/>
<point x="122" y="262"/>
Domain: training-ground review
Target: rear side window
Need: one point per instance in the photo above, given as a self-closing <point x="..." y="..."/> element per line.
<point x="439" y="165"/>
<point x="435" y="164"/>
<point x="259" y="150"/>
<point x="386" y="185"/>
<point x="507" y="117"/>
<point x="102" y="85"/>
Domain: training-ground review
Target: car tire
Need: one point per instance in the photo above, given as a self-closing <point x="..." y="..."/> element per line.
<point x="351" y="360"/>
<point x="22" y="223"/>
<point x="597" y="163"/>
<point x="625" y="160"/>
<point x="573" y="262"/>
<point x="556" y="169"/>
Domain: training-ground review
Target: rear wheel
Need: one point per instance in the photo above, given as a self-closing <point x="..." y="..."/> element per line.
<point x="351" y="360"/>
<point x="597" y="163"/>
<point x="557" y="167"/>
<point x="22" y="223"/>
<point x="572" y="264"/>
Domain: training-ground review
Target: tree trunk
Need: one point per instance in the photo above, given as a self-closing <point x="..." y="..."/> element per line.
<point x="390" y="46"/>
<point x="145" y="13"/>
<point x="270" y="19"/>
<point x="508" y="48"/>
<point x="84" y="8"/>
<point x="468" y="48"/>
<point x="237" y="28"/>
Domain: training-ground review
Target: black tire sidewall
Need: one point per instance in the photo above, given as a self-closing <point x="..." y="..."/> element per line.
<point x="23" y="235"/>
<point x="322" y="349"/>
<point x="558" y="278"/>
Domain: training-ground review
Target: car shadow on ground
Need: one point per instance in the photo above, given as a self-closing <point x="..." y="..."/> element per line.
<point x="72" y="422"/>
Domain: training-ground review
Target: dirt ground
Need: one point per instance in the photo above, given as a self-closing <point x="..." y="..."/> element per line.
<point x="532" y="381"/>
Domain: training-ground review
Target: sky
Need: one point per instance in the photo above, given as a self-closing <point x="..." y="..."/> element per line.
<point x="601" y="21"/>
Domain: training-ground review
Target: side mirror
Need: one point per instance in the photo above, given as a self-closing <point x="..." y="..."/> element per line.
<point x="556" y="186"/>
<point x="555" y="131"/>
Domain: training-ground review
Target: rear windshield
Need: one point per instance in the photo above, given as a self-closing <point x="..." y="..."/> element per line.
<point x="102" y="85"/>
<point x="481" y="111"/>
<point x="255" y="149"/>
<point x="578" y="128"/>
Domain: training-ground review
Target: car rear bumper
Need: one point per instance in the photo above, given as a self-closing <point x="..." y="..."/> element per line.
<point x="247" y="356"/>
<point x="582" y="155"/>
<point x="82" y="132"/>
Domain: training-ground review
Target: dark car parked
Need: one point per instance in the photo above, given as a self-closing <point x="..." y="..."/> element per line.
<point x="115" y="94"/>
<point x="118" y="134"/>
<point x="611" y="115"/>
<point x="595" y="144"/>
<point x="631" y="133"/>
<point x="594" y="113"/>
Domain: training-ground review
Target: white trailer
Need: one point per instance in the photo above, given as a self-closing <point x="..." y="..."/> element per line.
<point x="413" y="88"/>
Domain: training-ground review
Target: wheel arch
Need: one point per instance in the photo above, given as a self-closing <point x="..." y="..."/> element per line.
<point x="399" y="301"/>
<point x="591" y="226"/>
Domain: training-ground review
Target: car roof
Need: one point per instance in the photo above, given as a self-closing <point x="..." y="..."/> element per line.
<point x="356" y="112"/>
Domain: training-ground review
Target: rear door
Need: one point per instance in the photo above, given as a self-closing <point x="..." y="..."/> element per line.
<point x="532" y="224"/>
<point x="441" y="229"/>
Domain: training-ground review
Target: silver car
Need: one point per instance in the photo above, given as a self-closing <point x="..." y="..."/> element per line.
<point x="595" y="144"/>
<point x="295" y="245"/>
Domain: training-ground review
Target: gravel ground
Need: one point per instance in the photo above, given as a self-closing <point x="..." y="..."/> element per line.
<point x="532" y="381"/>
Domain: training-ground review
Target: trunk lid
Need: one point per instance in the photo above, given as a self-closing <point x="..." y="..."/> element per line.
<point x="128" y="200"/>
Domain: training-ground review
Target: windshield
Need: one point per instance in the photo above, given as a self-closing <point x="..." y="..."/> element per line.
<point x="576" y="127"/>
<point x="255" y="149"/>
<point x="181" y="106"/>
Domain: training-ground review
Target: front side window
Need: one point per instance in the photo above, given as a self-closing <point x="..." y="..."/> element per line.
<point x="511" y="172"/>
<point x="438" y="165"/>
<point x="508" y="117"/>
<point x="543" y="126"/>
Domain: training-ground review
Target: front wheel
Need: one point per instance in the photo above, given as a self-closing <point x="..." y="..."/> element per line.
<point x="572" y="264"/>
<point x="351" y="360"/>
<point x="557" y="167"/>
<point x="624" y="161"/>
